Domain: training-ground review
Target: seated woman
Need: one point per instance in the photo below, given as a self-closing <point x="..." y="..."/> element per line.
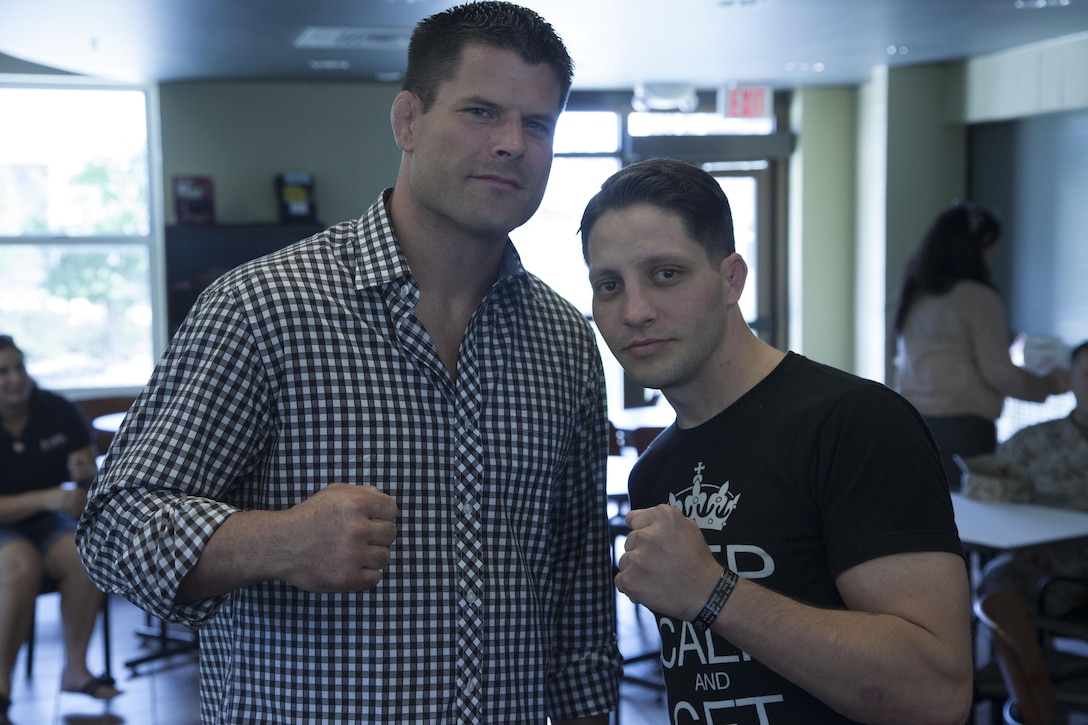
<point x="44" y="442"/>
<point x="1047" y="464"/>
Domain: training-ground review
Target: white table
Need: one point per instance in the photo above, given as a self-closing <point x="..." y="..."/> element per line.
<point x="108" y="423"/>
<point x="995" y="526"/>
<point x="988" y="528"/>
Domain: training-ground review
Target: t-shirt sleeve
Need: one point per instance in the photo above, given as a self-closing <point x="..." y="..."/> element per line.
<point x="881" y="481"/>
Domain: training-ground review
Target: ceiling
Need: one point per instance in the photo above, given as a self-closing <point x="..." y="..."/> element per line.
<point x="616" y="44"/>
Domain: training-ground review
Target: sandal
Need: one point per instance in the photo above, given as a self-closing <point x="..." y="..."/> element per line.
<point x="94" y="688"/>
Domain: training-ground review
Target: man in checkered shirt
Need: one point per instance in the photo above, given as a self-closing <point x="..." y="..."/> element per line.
<point x="370" y="467"/>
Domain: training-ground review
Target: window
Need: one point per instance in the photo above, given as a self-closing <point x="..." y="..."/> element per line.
<point x="549" y="244"/>
<point x="587" y="145"/>
<point x="741" y="192"/>
<point x="76" y="247"/>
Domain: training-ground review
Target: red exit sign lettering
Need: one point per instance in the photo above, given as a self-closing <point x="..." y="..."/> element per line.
<point x="749" y="102"/>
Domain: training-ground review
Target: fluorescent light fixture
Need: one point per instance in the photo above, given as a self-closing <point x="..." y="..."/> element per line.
<point x="329" y="65"/>
<point x="1040" y="4"/>
<point x="665" y="97"/>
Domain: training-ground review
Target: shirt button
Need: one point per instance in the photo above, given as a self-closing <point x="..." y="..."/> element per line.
<point x="405" y="290"/>
<point x="470" y="597"/>
<point x="466" y="508"/>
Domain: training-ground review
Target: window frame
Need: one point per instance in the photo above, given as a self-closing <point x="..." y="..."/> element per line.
<point x="153" y="241"/>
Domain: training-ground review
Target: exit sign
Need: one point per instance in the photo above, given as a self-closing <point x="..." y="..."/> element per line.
<point x="749" y="102"/>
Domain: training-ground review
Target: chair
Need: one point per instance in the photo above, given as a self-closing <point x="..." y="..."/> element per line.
<point x="618" y="529"/>
<point x="1039" y="683"/>
<point x="1072" y="624"/>
<point x="91" y="408"/>
<point x="50" y="587"/>
<point x="641" y="438"/>
<point x="989" y="687"/>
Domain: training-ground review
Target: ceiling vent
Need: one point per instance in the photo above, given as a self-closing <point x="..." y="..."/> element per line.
<point x="333" y="38"/>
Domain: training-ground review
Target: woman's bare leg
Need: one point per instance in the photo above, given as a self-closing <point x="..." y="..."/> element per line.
<point x="80" y="603"/>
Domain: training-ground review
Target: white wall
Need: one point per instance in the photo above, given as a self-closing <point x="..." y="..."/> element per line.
<point x="1035" y="79"/>
<point x="871" y="211"/>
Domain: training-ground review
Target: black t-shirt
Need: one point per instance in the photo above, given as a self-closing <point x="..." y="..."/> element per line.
<point x="39" y="459"/>
<point x="810" y="473"/>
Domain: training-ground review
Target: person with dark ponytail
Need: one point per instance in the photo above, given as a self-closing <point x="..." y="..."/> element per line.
<point x="953" y="337"/>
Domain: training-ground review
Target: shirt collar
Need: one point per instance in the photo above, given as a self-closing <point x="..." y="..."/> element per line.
<point x="381" y="259"/>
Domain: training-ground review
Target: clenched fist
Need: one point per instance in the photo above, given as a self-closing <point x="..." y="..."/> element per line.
<point x="341" y="538"/>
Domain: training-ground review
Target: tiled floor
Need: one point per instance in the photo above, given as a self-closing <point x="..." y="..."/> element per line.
<point x="165" y="692"/>
<point x="640" y="703"/>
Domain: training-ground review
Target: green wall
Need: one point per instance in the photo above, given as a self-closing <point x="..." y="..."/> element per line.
<point x="244" y="134"/>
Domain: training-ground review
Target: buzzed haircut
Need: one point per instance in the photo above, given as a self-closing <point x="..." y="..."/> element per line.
<point x="434" y="51"/>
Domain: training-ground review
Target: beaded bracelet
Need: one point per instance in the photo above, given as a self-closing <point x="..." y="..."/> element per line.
<point x="714" y="605"/>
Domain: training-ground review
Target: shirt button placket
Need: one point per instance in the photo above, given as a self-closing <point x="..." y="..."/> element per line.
<point x="470" y="564"/>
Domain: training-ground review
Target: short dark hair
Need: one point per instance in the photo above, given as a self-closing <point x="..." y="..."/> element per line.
<point x="7" y="341"/>
<point x="675" y="187"/>
<point x="950" y="250"/>
<point x="438" y="41"/>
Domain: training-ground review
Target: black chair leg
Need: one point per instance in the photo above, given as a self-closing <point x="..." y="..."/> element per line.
<point x="108" y="666"/>
<point x="30" y="640"/>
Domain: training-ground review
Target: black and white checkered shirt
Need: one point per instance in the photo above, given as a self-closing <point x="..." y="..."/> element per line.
<point x="308" y="367"/>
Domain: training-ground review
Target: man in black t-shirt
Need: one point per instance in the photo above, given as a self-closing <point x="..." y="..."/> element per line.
<point x="792" y="530"/>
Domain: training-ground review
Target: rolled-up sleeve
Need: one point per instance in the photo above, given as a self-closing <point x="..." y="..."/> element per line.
<point x="167" y="482"/>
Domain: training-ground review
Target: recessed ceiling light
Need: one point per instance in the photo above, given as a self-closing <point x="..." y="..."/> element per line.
<point x="1040" y="4"/>
<point x="804" y="66"/>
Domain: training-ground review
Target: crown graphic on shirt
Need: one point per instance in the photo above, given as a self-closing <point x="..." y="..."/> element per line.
<point x="710" y="506"/>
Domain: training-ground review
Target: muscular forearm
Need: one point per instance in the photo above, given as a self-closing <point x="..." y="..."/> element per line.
<point x="870" y="667"/>
<point x="241" y="552"/>
<point x="336" y="541"/>
<point x="899" y="652"/>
